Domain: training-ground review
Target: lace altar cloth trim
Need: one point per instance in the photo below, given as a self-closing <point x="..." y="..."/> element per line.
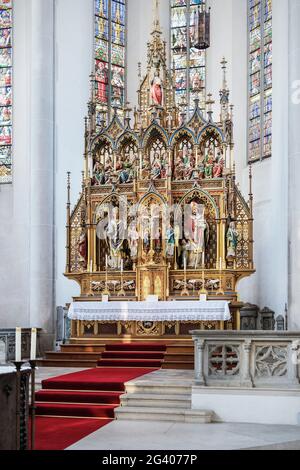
<point x="150" y="311"/>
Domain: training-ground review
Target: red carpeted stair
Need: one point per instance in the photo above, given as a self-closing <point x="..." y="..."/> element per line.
<point x="58" y="396"/>
<point x="133" y="355"/>
<point x="88" y="397"/>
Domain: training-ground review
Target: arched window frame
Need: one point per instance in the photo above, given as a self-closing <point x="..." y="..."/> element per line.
<point x="259" y="80"/>
<point x="6" y="67"/>
<point x="110" y="56"/>
<point x="190" y="60"/>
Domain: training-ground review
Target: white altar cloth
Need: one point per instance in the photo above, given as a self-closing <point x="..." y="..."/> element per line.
<point x="150" y="311"/>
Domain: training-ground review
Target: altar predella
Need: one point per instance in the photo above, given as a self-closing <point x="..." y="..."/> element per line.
<point x="160" y="212"/>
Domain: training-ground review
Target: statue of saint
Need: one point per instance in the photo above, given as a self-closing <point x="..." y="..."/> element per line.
<point x="124" y="169"/>
<point x="156" y="90"/>
<point x="82" y="248"/>
<point x="218" y="166"/>
<point x="196" y="236"/>
<point x="170" y="238"/>
<point x="156" y="169"/>
<point x="146" y="170"/>
<point x="232" y="240"/>
<point x="99" y="174"/>
<point x="133" y="239"/>
<point x="209" y="162"/>
<point x="114" y="239"/>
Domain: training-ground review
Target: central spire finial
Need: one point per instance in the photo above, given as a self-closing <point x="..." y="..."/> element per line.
<point x="156" y="22"/>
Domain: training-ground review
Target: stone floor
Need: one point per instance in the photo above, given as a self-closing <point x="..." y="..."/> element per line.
<point x="122" y="435"/>
<point x="141" y="435"/>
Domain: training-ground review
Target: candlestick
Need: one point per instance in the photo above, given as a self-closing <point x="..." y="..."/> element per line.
<point x="203" y="292"/>
<point x="122" y="292"/>
<point x="220" y="290"/>
<point x="32" y="363"/>
<point x="18" y="344"/>
<point x="18" y="366"/>
<point x="33" y="344"/>
<point x="185" y="289"/>
<point x="106" y="290"/>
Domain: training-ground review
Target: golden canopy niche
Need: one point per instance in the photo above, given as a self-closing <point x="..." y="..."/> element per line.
<point x="160" y="212"/>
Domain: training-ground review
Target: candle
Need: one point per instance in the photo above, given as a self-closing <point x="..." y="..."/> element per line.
<point x="220" y="264"/>
<point x="18" y="345"/>
<point x="33" y="344"/>
<point x="184" y="263"/>
<point x="91" y="266"/>
<point x="106" y="261"/>
<point x="121" y="266"/>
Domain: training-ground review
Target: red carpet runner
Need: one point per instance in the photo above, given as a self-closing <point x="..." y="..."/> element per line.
<point x="133" y="355"/>
<point x="72" y="406"/>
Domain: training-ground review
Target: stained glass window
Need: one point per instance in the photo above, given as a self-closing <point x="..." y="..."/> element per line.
<point x="189" y="62"/>
<point x="260" y="79"/>
<point x="5" y="91"/>
<point x="110" y="54"/>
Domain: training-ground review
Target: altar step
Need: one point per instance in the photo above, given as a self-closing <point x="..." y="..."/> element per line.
<point x="154" y="400"/>
<point x="118" y="353"/>
<point x="83" y="347"/>
<point x="133" y="355"/>
<point x="164" y="414"/>
<point x="151" y="400"/>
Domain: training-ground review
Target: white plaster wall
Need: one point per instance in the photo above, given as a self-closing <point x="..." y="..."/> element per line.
<point x="294" y="165"/>
<point x="221" y="46"/>
<point x="18" y="208"/>
<point x="269" y="286"/>
<point x="74" y="32"/>
<point x="249" y="406"/>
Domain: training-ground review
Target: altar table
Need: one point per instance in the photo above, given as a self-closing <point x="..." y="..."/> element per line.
<point x="154" y="311"/>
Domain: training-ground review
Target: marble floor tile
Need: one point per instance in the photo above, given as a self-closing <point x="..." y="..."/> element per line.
<point x="141" y="435"/>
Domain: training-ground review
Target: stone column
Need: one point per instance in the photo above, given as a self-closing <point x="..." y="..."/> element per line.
<point x="42" y="167"/>
<point x="246" y="379"/>
<point x="199" y="360"/>
<point x="294" y="166"/>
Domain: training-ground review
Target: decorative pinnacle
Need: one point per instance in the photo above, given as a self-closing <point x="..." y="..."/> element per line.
<point x="92" y="81"/>
<point x="68" y="186"/>
<point x="140" y="70"/>
<point x="127" y="109"/>
<point x="156" y="22"/>
<point x="209" y="104"/>
<point x="224" y="68"/>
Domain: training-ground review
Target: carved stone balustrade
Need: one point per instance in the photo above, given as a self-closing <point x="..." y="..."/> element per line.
<point x="267" y="359"/>
<point x="7" y="344"/>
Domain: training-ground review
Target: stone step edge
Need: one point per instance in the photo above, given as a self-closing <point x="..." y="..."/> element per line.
<point x="152" y="396"/>
<point x="159" y="414"/>
<point x="182" y="389"/>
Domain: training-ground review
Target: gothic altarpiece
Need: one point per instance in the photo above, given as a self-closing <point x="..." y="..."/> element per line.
<point x="160" y="212"/>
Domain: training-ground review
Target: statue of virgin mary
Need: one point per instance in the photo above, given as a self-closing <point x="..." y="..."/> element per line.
<point x="157" y="90"/>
